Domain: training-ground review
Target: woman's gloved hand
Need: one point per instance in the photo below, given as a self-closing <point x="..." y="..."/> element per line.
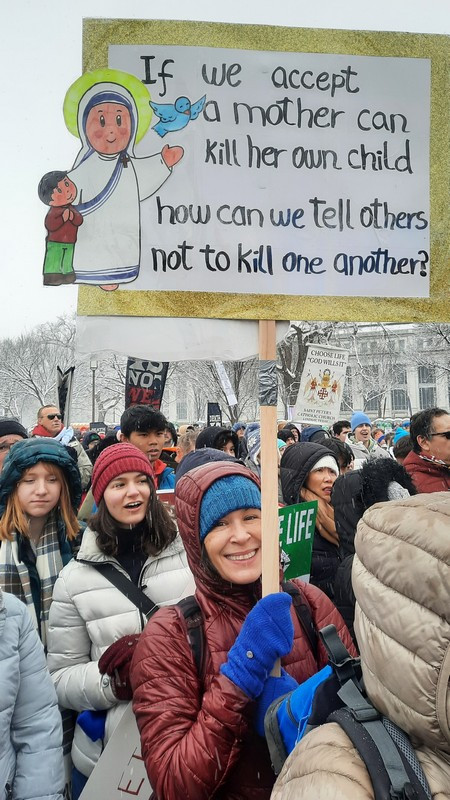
<point x="92" y="723"/>
<point x="267" y="634"/>
<point x="116" y="661"/>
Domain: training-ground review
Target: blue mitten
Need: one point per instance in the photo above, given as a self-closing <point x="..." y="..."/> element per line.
<point x="273" y="688"/>
<point x="267" y="634"/>
<point x="92" y="723"/>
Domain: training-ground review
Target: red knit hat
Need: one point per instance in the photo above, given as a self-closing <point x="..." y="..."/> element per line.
<point x="115" y="460"/>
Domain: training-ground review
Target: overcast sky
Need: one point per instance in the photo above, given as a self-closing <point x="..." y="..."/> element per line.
<point x="40" y="56"/>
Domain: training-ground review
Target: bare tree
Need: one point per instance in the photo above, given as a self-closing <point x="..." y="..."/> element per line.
<point x="204" y="386"/>
<point x="28" y="363"/>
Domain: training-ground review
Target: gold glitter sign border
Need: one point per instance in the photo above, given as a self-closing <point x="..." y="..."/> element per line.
<point x="98" y="34"/>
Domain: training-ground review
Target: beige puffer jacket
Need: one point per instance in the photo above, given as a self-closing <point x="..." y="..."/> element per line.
<point x="401" y="578"/>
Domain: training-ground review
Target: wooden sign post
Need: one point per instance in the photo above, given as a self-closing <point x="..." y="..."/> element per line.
<point x="268" y="386"/>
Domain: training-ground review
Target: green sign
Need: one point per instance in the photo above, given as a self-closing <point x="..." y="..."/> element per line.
<point x="297" y="525"/>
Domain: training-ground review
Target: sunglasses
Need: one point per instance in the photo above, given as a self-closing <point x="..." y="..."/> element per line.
<point x="54" y="416"/>
<point x="444" y="433"/>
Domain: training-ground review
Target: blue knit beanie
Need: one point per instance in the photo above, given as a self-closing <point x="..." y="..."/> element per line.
<point x="399" y="434"/>
<point x="359" y="418"/>
<point x="225" y="495"/>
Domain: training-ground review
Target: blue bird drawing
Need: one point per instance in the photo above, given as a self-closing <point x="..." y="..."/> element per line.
<point x="175" y="116"/>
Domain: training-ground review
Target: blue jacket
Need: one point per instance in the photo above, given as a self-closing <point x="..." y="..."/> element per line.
<point x="166" y="479"/>
<point x="31" y="760"/>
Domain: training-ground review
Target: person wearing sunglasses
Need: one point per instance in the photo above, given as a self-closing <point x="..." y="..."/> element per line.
<point x="428" y="463"/>
<point x="50" y="424"/>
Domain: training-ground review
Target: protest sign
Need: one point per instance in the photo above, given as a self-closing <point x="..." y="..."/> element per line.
<point x="120" y="772"/>
<point x="145" y="382"/>
<point x="305" y="171"/>
<point x="214" y="415"/>
<point x="64" y="383"/>
<point x="98" y="427"/>
<point x="322" y="384"/>
<point x="167" y="496"/>
<point x="225" y="383"/>
<point x="296" y="525"/>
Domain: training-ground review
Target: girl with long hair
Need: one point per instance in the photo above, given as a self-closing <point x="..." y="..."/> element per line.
<point x="94" y="622"/>
<point x="40" y="490"/>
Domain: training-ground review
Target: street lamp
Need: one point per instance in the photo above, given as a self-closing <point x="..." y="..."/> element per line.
<point x="93" y="365"/>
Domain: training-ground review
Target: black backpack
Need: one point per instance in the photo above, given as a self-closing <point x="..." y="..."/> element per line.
<point x="194" y="623"/>
<point x="386" y="750"/>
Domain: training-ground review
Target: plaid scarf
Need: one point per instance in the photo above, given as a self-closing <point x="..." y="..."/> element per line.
<point x="15" y="578"/>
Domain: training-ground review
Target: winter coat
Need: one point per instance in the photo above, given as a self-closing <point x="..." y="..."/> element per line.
<point x="197" y="735"/>
<point x="196" y="458"/>
<point x="428" y="476"/>
<point x="362" y="453"/>
<point x="401" y="577"/>
<point x="353" y="493"/>
<point x="31" y="761"/>
<point x="296" y="463"/>
<point x="26" y="454"/>
<point x="87" y="615"/>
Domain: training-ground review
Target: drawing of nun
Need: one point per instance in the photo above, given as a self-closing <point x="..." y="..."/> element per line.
<point x="111" y="181"/>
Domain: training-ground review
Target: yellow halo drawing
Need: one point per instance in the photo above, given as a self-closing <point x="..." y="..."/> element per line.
<point x="137" y="89"/>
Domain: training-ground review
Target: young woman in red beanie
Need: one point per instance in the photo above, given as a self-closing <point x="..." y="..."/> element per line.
<point x="94" y="626"/>
<point x="199" y="723"/>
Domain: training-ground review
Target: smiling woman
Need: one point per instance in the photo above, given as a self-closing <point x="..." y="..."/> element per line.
<point x="94" y="626"/>
<point x="197" y="722"/>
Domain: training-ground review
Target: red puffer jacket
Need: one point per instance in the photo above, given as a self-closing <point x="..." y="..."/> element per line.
<point x="197" y="736"/>
<point x="427" y="475"/>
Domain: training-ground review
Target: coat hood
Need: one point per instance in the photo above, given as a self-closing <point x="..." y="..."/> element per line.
<point x="29" y="452"/>
<point x="356" y="491"/>
<point x="348" y="506"/>
<point x="401" y="579"/>
<point x="208" y="437"/>
<point x="314" y="433"/>
<point x="199" y="457"/>
<point x="296" y="462"/>
<point x="188" y="497"/>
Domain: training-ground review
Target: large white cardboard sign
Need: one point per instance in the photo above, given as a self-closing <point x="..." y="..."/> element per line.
<point x="302" y="174"/>
<point x="120" y="772"/>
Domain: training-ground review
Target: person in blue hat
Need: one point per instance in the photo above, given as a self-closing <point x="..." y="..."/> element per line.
<point x="361" y="441"/>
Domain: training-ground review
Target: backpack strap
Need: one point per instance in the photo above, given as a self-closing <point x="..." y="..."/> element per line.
<point x="363" y="724"/>
<point x="192" y="614"/>
<point x="394" y="769"/>
<point x="344" y="665"/>
<point x="303" y="611"/>
<point x="146" y="606"/>
<point x="391" y="775"/>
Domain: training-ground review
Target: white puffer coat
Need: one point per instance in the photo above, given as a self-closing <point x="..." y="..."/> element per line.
<point x="87" y="615"/>
<point x="31" y="760"/>
<point x="401" y="579"/>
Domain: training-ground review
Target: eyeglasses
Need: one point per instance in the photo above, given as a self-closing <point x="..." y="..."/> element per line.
<point x="443" y="433"/>
<point x="54" y="416"/>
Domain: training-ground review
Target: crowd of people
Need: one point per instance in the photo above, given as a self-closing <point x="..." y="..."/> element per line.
<point x="96" y="569"/>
